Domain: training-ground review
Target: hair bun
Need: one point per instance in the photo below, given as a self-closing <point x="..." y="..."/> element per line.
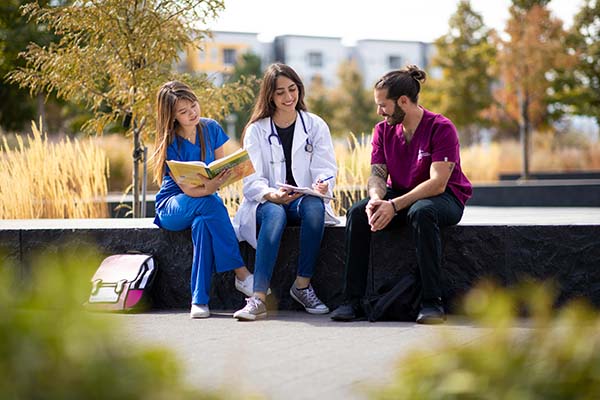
<point x="416" y="73"/>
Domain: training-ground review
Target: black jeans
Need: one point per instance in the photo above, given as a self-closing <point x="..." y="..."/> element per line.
<point x="424" y="217"/>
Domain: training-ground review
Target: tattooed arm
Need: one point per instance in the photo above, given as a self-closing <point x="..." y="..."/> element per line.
<point x="381" y="212"/>
<point x="376" y="185"/>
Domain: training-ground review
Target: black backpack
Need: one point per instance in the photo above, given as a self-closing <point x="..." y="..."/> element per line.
<point x="398" y="301"/>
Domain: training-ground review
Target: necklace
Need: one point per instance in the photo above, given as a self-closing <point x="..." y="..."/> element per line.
<point x="284" y="124"/>
<point x="189" y="138"/>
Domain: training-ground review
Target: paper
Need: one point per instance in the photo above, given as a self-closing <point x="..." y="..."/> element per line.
<point x="186" y="171"/>
<point x="304" y="190"/>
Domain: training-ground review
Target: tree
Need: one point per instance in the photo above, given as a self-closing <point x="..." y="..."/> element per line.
<point x="114" y="54"/>
<point x="353" y="107"/>
<point x="579" y="86"/>
<point x="15" y="34"/>
<point x="528" y="61"/>
<point x="247" y="69"/>
<point x="318" y="99"/>
<point x="465" y="56"/>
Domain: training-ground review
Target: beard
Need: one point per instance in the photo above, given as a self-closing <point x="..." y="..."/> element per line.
<point x="397" y="116"/>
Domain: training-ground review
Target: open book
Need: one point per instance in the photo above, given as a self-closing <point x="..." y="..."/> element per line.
<point x="303" y="190"/>
<point x="187" y="171"/>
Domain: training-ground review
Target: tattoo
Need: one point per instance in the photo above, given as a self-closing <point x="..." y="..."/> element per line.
<point x="377" y="179"/>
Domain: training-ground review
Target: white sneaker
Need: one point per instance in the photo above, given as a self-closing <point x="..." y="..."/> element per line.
<point x="247" y="285"/>
<point x="199" y="311"/>
<point x="255" y="308"/>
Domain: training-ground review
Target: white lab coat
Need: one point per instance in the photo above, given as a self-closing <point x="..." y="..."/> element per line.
<point x="268" y="161"/>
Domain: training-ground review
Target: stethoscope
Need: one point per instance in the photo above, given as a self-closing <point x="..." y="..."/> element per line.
<point x="308" y="147"/>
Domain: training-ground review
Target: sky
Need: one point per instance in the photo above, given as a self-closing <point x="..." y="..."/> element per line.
<point x="420" y="20"/>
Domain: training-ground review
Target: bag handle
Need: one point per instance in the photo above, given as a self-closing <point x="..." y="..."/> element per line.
<point x="96" y="285"/>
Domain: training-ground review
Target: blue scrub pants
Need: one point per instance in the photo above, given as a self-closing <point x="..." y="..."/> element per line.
<point x="215" y="244"/>
<point x="309" y="212"/>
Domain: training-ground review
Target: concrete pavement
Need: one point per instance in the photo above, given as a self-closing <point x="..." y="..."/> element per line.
<point x="291" y="355"/>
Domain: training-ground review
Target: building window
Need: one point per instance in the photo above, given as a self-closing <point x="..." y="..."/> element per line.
<point x="229" y="56"/>
<point x="395" y="62"/>
<point x="315" y="59"/>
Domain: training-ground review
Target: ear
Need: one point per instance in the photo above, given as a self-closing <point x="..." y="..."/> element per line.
<point x="402" y="100"/>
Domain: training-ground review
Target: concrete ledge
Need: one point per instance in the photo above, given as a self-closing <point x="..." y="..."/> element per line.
<point x="542" y="193"/>
<point x="507" y="244"/>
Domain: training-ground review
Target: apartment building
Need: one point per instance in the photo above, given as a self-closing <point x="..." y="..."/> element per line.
<point x="220" y="53"/>
<point x="311" y="56"/>
<point x="376" y="57"/>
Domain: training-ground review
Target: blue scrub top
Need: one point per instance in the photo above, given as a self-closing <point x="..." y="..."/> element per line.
<point x="183" y="150"/>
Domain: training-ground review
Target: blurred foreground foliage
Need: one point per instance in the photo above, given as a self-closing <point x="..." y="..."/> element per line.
<point x="50" y="348"/>
<point x="556" y="357"/>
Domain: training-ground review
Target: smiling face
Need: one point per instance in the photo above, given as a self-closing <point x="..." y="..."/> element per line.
<point x="388" y="108"/>
<point x="187" y="113"/>
<point x="285" y="96"/>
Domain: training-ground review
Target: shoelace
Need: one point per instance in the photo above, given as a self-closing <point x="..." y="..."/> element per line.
<point x="311" y="297"/>
<point x="252" y="302"/>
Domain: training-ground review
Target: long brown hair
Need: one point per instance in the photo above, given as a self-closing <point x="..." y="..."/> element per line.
<point x="403" y="82"/>
<point x="264" y="106"/>
<point x="167" y="125"/>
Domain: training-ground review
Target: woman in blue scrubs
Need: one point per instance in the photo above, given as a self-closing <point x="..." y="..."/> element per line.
<point x="182" y="135"/>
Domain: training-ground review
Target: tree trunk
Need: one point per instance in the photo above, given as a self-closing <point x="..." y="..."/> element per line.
<point x="41" y="109"/>
<point x="524" y="129"/>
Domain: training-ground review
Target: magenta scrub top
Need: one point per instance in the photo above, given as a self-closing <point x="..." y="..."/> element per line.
<point x="408" y="163"/>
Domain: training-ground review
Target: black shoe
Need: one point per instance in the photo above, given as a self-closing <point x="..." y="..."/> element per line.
<point x="432" y="313"/>
<point x="347" y="312"/>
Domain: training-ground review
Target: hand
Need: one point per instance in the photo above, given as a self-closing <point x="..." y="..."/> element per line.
<point x="282" y="196"/>
<point x="221" y="178"/>
<point x="382" y="212"/>
<point x="371" y="207"/>
<point x="321" y="187"/>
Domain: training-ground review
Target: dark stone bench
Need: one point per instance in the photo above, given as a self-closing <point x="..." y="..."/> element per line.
<point x="578" y="175"/>
<point x="538" y="193"/>
<point x="567" y="253"/>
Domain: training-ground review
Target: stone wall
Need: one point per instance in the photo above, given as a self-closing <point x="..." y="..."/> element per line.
<point x="569" y="255"/>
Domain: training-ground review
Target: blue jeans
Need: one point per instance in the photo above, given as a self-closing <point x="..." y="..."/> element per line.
<point x="309" y="212"/>
<point x="216" y="247"/>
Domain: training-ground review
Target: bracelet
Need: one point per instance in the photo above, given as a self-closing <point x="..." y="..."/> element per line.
<point x="393" y="206"/>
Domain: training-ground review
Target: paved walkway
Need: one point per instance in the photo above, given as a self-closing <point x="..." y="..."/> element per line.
<point x="291" y="355"/>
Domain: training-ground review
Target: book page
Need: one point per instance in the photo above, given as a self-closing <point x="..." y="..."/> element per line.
<point x="304" y="190"/>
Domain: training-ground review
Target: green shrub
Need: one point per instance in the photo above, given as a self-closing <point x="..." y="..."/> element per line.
<point x="557" y="355"/>
<point x="51" y="349"/>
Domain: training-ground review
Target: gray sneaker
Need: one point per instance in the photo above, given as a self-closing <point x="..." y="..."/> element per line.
<point x="255" y="308"/>
<point x="309" y="300"/>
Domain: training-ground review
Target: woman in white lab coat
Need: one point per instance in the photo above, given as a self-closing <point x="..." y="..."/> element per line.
<point x="287" y="145"/>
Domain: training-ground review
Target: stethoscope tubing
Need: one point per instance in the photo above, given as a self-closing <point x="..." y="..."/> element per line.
<point x="308" y="147"/>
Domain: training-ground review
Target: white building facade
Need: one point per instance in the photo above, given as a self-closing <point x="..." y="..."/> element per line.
<point x="311" y="57"/>
<point x="376" y="57"/>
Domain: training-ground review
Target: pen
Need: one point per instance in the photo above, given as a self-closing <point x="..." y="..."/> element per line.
<point x="326" y="179"/>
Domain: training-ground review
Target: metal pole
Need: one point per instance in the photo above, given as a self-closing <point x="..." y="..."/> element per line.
<point x="144" y="178"/>
<point x="136" y="160"/>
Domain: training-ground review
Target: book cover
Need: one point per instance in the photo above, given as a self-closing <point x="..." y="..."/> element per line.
<point x="186" y="171"/>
